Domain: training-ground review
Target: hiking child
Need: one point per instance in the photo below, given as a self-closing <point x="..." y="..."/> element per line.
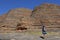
<point x="43" y="32"/>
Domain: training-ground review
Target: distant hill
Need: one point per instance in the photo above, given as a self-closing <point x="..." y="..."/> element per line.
<point x="45" y="14"/>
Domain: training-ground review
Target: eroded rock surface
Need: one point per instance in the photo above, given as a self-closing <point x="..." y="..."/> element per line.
<point x="46" y="14"/>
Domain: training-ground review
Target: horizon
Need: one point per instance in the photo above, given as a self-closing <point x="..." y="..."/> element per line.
<point x="6" y="5"/>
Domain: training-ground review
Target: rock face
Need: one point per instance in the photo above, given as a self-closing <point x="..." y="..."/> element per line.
<point x="46" y="14"/>
<point x="16" y="16"/>
<point x="2" y="18"/>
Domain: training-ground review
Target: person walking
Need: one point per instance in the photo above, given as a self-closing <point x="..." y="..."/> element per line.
<point x="43" y="32"/>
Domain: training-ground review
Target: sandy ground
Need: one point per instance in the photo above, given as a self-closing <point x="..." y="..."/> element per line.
<point x="27" y="36"/>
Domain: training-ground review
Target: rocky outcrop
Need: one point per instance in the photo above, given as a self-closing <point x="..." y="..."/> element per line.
<point x="48" y="15"/>
<point x="45" y="14"/>
<point x="16" y="16"/>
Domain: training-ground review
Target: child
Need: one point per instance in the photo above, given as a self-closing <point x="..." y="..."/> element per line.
<point x="43" y="32"/>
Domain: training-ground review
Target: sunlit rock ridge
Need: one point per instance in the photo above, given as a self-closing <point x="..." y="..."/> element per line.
<point x="45" y="14"/>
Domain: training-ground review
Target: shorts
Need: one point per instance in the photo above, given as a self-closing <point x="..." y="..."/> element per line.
<point x="44" y="33"/>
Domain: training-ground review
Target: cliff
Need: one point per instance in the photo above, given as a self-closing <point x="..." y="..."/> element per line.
<point x="45" y="14"/>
